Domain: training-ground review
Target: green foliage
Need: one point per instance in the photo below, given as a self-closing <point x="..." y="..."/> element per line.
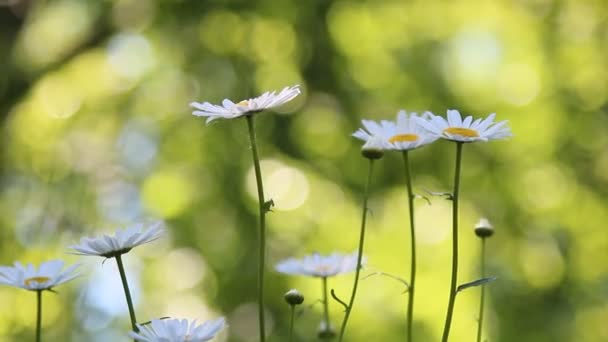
<point x="97" y="133"/>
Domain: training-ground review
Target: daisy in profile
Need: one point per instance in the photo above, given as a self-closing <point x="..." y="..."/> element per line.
<point x="403" y="134"/>
<point x="231" y="110"/>
<point x="316" y="265"/>
<point x="121" y="242"/>
<point x="321" y="266"/>
<point x="46" y="277"/>
<point x="465" y="130"/>
<point x="114" y="246"/>
<point x="246" y="108"/>
<point x="178" y="330"/>
<point x="461" y="131"/>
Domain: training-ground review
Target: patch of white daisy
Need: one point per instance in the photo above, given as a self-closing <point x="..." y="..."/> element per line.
<point x="121" y="242"/>
<point x="455" y="128"/>
<point x="48" y="275"/>
<point x="317" y="265"/>
<point x="178" y="330"/>
<point x="231" y="110"/>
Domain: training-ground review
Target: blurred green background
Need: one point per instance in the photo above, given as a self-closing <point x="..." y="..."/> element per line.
<point x="97" y="133"/>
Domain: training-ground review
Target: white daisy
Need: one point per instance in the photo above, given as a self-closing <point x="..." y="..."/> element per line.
<point x="231" y="110"/>
<point x="47" y="276"/>
<point x="467" y="130"/>
<point x="122" y="241"/>
<point x="317" y="265"/>
<point x="178" y="330"/>
<point x="405" y="134"/>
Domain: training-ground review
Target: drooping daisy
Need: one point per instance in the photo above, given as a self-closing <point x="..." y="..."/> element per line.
<point x="231" y="110"/>
<point x="467" y="130"/>
<point x="115" y="246"/>
<point x="402" y="135"/>
<point x="47" y="276"/>
<point x="178" y="330"/>
<point x="317" y="265"/>
<point x="121" y="242"/>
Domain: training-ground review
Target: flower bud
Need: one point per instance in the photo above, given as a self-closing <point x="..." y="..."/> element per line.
<point x="294" y="297"/>
<point x="373" y="148"/>
<point x="326" y="332"/>
<point x="484" y="228"/>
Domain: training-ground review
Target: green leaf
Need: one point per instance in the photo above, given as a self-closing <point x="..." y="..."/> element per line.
<point x="475" y="283"/>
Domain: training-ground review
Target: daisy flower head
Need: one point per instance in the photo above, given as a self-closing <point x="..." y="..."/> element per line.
<point x="47" y="276"/>
<point x="402" y="135"/>
<point x="316" y="265"/>
<point x="231" y="110"/>
<point x="121" y="242"/>
<point x="465" y="130"/>
<point x="178" y="330"/>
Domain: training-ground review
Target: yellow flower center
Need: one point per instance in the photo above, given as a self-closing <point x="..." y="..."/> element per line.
<point x="323" y="268"/>
<point x="403" y="138"/>
<point x="39" y="280"/>
<point x="464" y="132"/>
<point x="243" y="103"/>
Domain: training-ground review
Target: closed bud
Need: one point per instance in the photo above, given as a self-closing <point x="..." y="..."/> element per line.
<point x="294" y="297"/>
<point x="484" y="228"/>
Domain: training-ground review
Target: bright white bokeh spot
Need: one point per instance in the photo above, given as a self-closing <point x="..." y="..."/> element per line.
<point x="130" y="55"/>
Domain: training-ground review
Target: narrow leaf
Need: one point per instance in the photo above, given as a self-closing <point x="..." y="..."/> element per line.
<point x="474" y="283"/>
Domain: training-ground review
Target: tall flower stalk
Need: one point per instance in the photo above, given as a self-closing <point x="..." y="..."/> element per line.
<point x="326" y="306"/>
<point x="453" y="282"/>
<point x="483" y="289"/>
<point x="38" y="314"/>
<point x="125" y="286"/>
<point x="114" y="246"/>
<point x="403" y="135"/>
<point x="262" y="232"/>
<point x="372" y="150"/>
<point x="484" y="230"/>
<point x="460" y="131"/>
<point x="249" y="108"/>
<point x="412" y="283"/>
<point x="353" y="294"/>
<point x="293" y="298"/>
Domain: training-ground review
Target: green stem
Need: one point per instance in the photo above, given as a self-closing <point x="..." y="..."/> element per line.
<point x="38" y="315"/>
<point x="293" y="314"/>
<point x="125" y="285"/>
<point x="325" y="304"/>
<point x="360" y="251"/>
<point x="450" y="311"/>
<point x="483" y="288"/>
<point x="262" y="233"/>
<point x="410" y="202"/>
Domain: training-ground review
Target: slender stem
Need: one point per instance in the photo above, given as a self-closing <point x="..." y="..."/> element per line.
<point x="125" y="285"/>
<point x="448" y="318"/>
<point x="293" y="314"/>
<point x="325" y="304"/>
<point x="410" y="202"/>
<point x="360" y="251"/>
<point x="483" y="288"/>
<point x="39" y="315"/>
<point x="262" y="233"/>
